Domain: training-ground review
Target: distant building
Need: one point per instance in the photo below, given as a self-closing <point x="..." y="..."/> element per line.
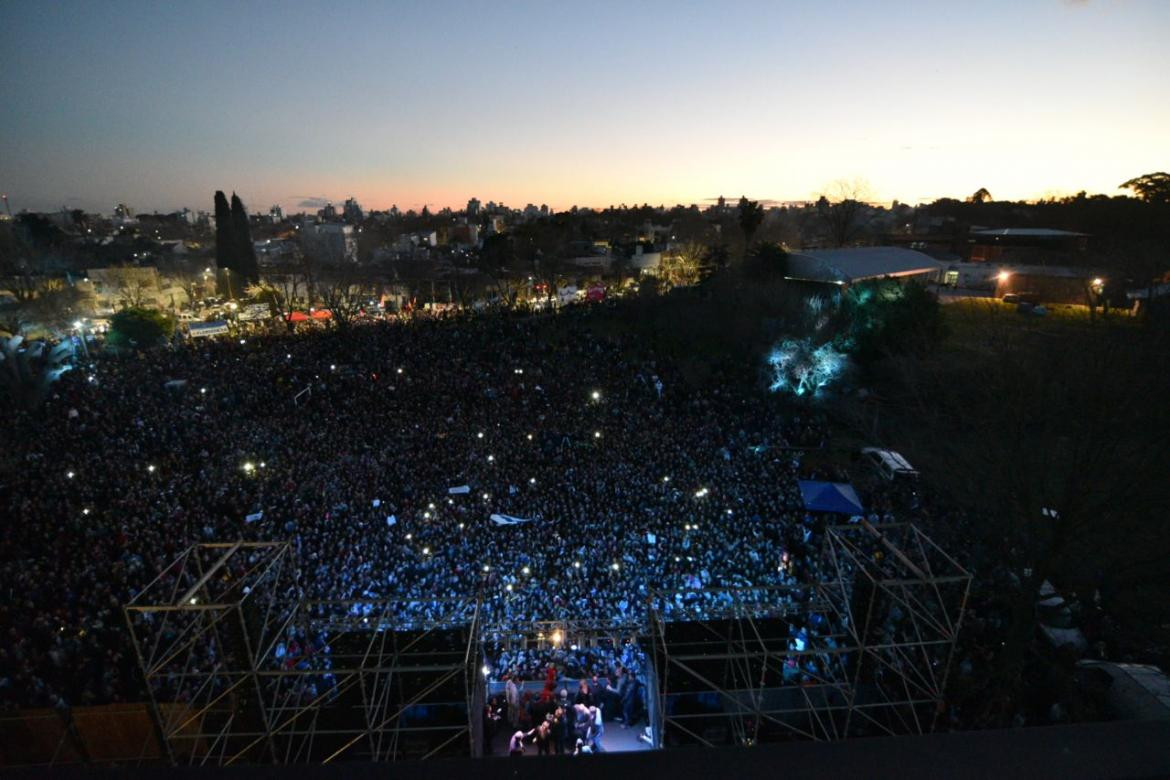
<point x="1025" y="245"/>
<point x="327" y="214"/>
<point x="473" y="208"/>
<point x="351" y="212"/>
<point x="275" y="250"/>
<point x="645" y="262"/>
<point x="276" y="214"/>
<point x="845" y="267"/>
<point x="467" y="235"/>
<point x="331" y="242"/>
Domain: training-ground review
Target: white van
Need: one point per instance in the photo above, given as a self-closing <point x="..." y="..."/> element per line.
<point x="889" y="464"/>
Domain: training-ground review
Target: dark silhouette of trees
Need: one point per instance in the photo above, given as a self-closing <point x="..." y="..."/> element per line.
<point x="224" y="247"/>
<point x="1150" y="187"/>
<point x="749" y="215"/>
<point x="981" y="195"/>
<point x="766" y="261"/>
<point x="1013" y="421"/>
<point x="245" y="252"/>
<point x="843" y="208"/>
<point x="234" y="253"/>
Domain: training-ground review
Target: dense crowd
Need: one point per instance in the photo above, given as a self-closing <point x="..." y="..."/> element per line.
<point x="612" y="479"/>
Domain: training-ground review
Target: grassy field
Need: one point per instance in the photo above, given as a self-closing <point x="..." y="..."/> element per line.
<point x="965" y="315"/>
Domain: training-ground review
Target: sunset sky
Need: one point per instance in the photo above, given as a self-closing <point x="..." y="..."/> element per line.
<point x="159" y="104"/>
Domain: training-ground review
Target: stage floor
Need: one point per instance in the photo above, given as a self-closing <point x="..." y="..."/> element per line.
<point x="615" y="740"/>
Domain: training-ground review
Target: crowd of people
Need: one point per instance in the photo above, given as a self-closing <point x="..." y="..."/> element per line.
<point x="563" y="475"/>
<point x="565" y="715"/>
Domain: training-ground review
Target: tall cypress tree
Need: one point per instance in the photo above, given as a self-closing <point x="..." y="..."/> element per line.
<point x="224" y="245"/>
<point x="244" y="256"/>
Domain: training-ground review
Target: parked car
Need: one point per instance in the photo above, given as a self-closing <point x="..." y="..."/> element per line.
<point x="890" y="465"/>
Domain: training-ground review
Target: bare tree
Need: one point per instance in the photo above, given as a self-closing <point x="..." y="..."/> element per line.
<point x="191" y="282"/>
<point x="134" y="287"/>
<point x="345" y="291"/>
<point x="846" y="204"/>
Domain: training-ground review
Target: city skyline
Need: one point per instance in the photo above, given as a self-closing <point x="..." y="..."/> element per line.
<point x="568" y="105"/>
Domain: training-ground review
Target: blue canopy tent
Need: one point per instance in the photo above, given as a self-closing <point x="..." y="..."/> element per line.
<point x="839" y="497"/>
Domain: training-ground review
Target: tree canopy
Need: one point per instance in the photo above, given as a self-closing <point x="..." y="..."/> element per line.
<point x="1150" y="187"/>
<point x="139" y="327"/>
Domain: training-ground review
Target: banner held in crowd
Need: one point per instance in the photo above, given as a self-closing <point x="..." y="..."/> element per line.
<point x="509" y="520"/>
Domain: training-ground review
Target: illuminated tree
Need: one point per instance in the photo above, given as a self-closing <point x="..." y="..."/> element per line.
<point x="683" y="265"/>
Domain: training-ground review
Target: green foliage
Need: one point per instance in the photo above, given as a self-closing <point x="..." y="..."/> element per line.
<point x="138" y="327"/>
<point x="885" y="318"/>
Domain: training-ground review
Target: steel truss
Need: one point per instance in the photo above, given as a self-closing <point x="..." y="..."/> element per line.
<point x="879" y="628"/>
<point x="241" y="669"/>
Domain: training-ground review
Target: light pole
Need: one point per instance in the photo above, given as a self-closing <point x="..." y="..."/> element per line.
<point x="79" y="326"/>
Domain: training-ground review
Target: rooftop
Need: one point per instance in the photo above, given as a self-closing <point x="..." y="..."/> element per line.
<point x="856" y="264"/>
<point x="1026" y="233"/>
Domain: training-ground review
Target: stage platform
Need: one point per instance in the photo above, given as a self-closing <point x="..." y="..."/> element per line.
<point x="615" y="740"/>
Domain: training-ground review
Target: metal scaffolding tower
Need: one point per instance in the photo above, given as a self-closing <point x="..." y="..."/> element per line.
<point x="863" y="649"/>
<point x="241" y="669"/>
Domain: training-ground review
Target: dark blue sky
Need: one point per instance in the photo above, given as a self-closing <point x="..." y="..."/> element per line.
<point x="159" y="104"/>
